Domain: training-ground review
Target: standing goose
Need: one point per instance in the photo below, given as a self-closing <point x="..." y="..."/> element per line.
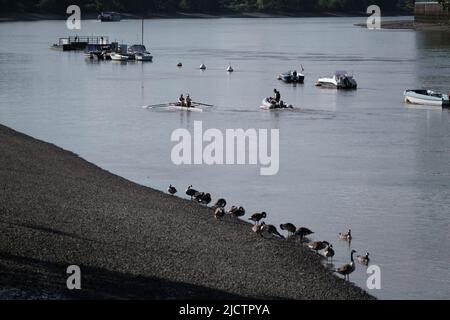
<point x="191" y="192"/>
<point x="329" y="252"/>
<point x="318" y="245"/>
<point x="346" y="236"/>
<point x="221" y="203"/>
<point x="256" y="217"/>
<point x="219" y="213"/>
<point x="289" y="227"/>
<point x="363" y="259"/>
<point x="205" y="199"/>
<point x="303" y="232"/>
<point x="236" y="212"/>
<point x="172" y="190"/>
<point x="348" y="268"/>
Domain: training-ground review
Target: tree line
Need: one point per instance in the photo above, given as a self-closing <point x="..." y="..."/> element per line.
<point x="204" y="6"/>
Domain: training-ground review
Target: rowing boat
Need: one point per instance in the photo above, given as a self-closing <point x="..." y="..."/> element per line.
<point x="177" y="106"/>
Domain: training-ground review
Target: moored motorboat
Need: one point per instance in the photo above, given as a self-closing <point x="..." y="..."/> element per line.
<point x="340" y="80"/>
<point x="427" y="97"/>
<point x="270" y="104"/>
<point x="138" y="52"/>
<point x="291" y="77"/>
<point x="109" y="16"/>
<point x="118" y="57"/>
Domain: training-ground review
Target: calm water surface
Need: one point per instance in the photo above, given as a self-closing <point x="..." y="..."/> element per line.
<point x="360" y="160"/>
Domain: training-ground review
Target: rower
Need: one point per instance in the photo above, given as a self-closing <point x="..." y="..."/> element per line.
<point x="188" y="101"/>
<point x="277" y="96"/>
<point x="181" y="100"/>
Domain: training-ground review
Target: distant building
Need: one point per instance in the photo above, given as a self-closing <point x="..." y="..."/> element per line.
<point x="430" y="12"/>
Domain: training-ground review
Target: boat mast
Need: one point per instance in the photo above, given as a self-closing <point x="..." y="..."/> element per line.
<point x="142" y="31"/>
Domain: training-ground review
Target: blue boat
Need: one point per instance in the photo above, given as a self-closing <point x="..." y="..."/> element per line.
<point x="427" y="97"/>
<point x="291" y="77"/>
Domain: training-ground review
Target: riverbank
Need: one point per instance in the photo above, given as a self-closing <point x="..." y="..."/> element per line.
<point x="130" y="241"/>
<point x="411" y="25"/>
<point x="14" y="16"/>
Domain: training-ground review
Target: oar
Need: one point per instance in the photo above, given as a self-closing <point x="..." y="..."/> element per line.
<point x="203" y="104"/>
<point x="160" y="105"/>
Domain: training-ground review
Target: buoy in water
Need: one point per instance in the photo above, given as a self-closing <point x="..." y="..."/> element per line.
<point x="202" y="67"/>
<point x="179" y="64"/>
<point x="230" y="69"/>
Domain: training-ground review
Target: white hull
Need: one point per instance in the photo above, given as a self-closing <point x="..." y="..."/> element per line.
<point x="266" y="105"/>
<point x="193" y="109"/>
<point x="414" y="100"/>
<point x="118" y="57"/>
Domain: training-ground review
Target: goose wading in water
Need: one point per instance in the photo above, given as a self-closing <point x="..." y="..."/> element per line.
<point x="221" y="203"/>
<point x="318" y="245"/>
<point x="219" y="213"/>
<point x="270" y="229"/>
<point x="329" y="252"/>
<point x="363" y="259"/>
<point x="289" y="227"/>
<point x="256" y="217"/>
<point x="172" y="190"/>
<point x="302" y="232"/>
<point x="348" y="268"/>
<point x="191" y="192"/>
<point x="236" y="212"/>
<point x="346" y="236"/>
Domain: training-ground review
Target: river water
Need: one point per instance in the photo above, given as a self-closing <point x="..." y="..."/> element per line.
<point x="361" y="160"/>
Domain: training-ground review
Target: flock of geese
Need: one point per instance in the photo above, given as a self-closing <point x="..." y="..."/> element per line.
<point x="263" y="229"/>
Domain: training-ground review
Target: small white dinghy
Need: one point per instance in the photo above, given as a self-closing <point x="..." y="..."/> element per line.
<point x="270" y="104"/>
<point x="427" y="97"/>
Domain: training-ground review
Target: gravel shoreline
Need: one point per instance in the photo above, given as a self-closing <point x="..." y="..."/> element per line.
<point x="133" y="242"/>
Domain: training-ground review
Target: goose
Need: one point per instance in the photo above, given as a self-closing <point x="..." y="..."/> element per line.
<point x="219" y="213"/>
<point x="271" y="229"/>
<point x="257" y="228"/>
<point x="172" y="190"/>
<point x="318" y="245"/>
<point x="348" y="268"/>
<point x="302" y="232"/>
<point x="236" y="212"/>
<point x="205" y="199"/>
<point x="198" y="196"/>
<point x="289" y="227"/>
<point x="221" y="203"/>
<point x="363" y="259"/>
<point x="191" y="192"/>
<point x="346" y="236"/>
<point x="256" y="217"/>
<point x="329" y="252"/>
